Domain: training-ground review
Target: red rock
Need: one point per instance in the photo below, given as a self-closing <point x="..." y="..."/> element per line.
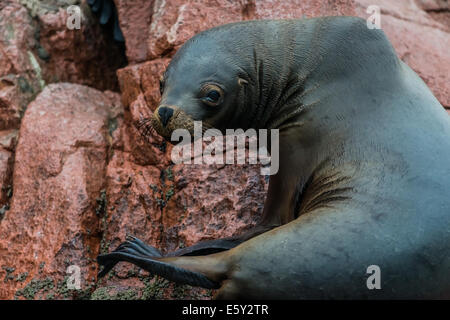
<point x="9" y="108"/>
<point x="142" y="79"/>
<point x="20" y="74"/>
<point x="15" y="93"/>
<point x="84" y="56"/>
<point x="135" y="25"/>
<point x="43" y="50"/>
<point x="437" y="9"/>
<point x="434" y="5"/>
<point x="200" y="209"/>
<point x="408" y="10"/>
<point x="16" y="39"/>
<point x="175" y="22"/>
<point x="279" y="9"/>
<point x="404" y="23"/>
<point x="148" y="150"/>
<point x="140" y="96"/>
<point x="8" y="139"/>
<point x="58" y="175"/>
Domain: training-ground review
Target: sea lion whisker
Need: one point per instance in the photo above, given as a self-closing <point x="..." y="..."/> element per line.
<point x="146" y="129"/>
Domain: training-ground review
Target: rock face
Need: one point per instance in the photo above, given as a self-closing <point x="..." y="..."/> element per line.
<point x="174" y="22"/>
<point x="76" y="174"/>
<point x="131" y="16"/>
<point x="59" y="169"/>
<point x="36" y="43"/>
<point x="87" y="56"/>
<point x="404" y="23"/>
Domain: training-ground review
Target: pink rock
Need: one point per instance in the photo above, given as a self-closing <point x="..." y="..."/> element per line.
<point x="404" y="23"/>
<point x="84" y="56"/>
<point x="200" y="209"/>
<point x="8" y="139"/>
<point x="434" y="5"/>
<point x="437" y="9"/>
<point x="135" y="22"/>
<point x="9" y="108"/>
<point x="140" y="95"/>
<point x="43" y="50"/>
<point x="20" y="74"/>
<point x="15" y="93"/>
<point x="175" y="206"/>
<point x="175" y="22"/>
<point x="148" y="150"/>
<point x="279" y="9"/>
<point x="16" y="39"/>
<point x="58" y="176"/>
<point x="142" y="79"/>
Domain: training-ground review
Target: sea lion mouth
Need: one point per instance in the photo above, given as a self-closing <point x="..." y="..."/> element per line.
<point x="165" y="127"/>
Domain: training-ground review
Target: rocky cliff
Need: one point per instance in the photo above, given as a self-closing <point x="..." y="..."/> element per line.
<point x="75" y="174"/>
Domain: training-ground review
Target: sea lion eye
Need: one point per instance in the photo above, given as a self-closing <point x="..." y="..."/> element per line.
<point x="211" y="95"/>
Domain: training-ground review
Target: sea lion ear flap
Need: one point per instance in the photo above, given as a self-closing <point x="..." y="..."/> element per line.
<point x="242" y="81"/>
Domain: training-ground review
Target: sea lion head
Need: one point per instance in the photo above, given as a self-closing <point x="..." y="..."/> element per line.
<point x="203" y="82"/>
<point x="271" y="74"/>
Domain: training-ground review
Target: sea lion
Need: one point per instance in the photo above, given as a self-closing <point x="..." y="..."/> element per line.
<point x="364" y="163"/>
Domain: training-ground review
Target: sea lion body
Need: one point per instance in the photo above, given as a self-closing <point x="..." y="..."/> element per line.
<point x="364" y="175"/>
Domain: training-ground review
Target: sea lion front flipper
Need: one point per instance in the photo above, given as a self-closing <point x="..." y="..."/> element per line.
<point x="135" y="246"/>
<point x="184" y="270"/>
<point x="163" y="269"/>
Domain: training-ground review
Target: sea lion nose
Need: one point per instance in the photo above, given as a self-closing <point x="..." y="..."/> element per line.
<point x="165" y="113"/>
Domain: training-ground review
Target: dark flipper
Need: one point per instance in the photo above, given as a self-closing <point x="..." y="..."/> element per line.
<point x="135" y="246"/>
<point x="147" y="257"/>
<point x="129" y="252"/>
